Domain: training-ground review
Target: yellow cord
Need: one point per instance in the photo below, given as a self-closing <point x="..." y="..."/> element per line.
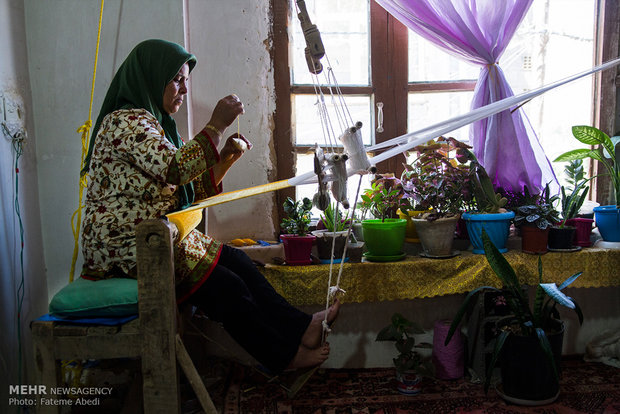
<point x="85" y="131"/>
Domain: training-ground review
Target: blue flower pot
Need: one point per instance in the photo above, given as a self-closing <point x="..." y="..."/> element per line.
<point x="496" y="225"/>
<point x="608" y="222"/>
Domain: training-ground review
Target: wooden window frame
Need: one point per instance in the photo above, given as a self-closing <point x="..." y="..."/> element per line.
<point x="606" y="114"/>
<point x="389" y="84"/>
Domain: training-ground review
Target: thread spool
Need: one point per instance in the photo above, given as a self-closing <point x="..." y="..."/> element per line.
<point x="353" y="144"/>
<point x="449" y="360"/>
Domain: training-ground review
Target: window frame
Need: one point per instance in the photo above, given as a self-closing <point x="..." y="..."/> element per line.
<point x="389" y="84"/>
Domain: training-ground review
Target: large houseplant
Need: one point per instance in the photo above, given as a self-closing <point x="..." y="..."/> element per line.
<point x="384" y="235"/>
<point x="297" y="242"/>
<point x="408" y="362"/>
<point x="530" y="340"/>
<point x="490" y="214"/>
<point x="605" y="150"/>
<point x="435" y="182"/>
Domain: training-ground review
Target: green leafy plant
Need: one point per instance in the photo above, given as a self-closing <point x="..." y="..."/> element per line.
<point x="485" y="197"/>
<point x="573" y="197"/>
<point x="605" y="150"/>
<point x="528" y="321"/>
<point x="334" y="220"/>
<point x="575" y="174"/>
<point x="539" y="211"/>
<point x="383" y="198"/>
<point x="401" y="331"/>
<point x="298" y="216"/>
<point x="436" y="182"/>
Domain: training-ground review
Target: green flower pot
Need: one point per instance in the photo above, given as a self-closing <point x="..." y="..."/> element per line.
<point x="384" y="238"/>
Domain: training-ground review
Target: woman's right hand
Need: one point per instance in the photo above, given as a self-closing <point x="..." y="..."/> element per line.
<point x="225" y="112"/>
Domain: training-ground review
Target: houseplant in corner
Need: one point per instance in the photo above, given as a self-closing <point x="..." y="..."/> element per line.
<point x="490" y="214"/>
<point x="331" y="233"/>
<point x="606" y="151"/>
<point x="530" y="340"/>
<point x="384" y="236"/>
<point x="297" y="242"/>
<point x="534" y="220"/>
<point x="409" y="364"/>
<point x="440" y="186"/>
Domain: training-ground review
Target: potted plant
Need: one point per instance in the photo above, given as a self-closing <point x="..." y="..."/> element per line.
<point x="490" y="214"/>
<point x="575" y="174"/>
<point x="605" y="150"/>
<point x="297" y="242"/>
<point x="440" y="186"/>
<point x="384" y="236"/>
<point x="407" y="211"/>
<point x="534" y="219"/>
<point x="562" y="235"/>
<point x="331" y="234"/>
<point x="408" y="362"/>
<point x="530" y="340"/>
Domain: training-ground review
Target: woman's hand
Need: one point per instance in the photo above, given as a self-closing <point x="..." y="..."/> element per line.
<point x="225" y="112"/>
<point x="232" y="150"/>
<point x="230" y="153"/>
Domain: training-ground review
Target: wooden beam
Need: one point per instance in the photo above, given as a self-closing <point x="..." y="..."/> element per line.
<point x="389" y="78"/>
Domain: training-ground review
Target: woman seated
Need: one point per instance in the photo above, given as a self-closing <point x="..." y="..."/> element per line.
<point x="141" y="169"/>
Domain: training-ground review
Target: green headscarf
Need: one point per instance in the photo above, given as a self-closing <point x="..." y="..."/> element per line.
<point x="139" y="83"/>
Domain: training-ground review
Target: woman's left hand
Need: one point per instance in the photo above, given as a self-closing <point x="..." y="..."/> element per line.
<point x="232" y="151"/>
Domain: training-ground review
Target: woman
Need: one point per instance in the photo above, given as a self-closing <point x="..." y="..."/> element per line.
<point x="140" y="169"/>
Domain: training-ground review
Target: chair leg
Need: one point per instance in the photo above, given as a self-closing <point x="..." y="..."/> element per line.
<point x="44" y="361"/>
<point x="193" y="377"/>
<point x="160" y="379"/>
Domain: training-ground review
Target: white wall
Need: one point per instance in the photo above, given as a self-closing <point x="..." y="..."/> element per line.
<point x="231" y="41"/>
<point x="15" y="90"/>
<point x="62" y="36"/>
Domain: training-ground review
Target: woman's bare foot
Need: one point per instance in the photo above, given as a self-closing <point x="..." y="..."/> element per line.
<point x="312" y="337"/>
<point x="305" y="358"/>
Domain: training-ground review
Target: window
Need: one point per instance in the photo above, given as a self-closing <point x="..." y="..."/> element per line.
<point x="377" y="60"/>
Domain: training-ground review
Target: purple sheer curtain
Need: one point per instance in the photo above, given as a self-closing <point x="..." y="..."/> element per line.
<point x="479" y="31"/>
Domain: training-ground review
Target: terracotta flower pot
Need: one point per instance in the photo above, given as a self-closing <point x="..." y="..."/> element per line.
<point x="534" y="240"/>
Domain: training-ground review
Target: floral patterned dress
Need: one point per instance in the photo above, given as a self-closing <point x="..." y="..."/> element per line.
<point x="134" y="174"/>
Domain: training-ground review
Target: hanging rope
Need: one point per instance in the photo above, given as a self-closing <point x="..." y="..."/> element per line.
<point x="76" y="218"/>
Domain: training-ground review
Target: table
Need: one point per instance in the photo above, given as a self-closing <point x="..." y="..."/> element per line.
<point x="417" y="277"/>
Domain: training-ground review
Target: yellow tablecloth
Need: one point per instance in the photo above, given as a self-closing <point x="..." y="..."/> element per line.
<point x="417" y="277"/>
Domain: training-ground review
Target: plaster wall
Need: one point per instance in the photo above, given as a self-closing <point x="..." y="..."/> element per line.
<point x="231" y="42"/>
<point x="62" y="36"/>
<point x="27" y="287"/>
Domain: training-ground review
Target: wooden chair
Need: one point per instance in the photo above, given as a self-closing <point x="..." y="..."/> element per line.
<point x="152" y="337"/>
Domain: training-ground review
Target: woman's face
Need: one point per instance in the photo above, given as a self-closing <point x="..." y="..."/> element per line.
<point x="176" y="90"/>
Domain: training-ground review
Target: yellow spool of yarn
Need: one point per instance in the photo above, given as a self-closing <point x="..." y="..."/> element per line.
<point x="186" y="221"/>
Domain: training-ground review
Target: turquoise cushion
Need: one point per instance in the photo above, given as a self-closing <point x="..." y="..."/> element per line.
<point x="109" y="297"/>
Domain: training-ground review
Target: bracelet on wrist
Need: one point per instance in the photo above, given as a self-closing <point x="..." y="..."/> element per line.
<point x="214" y="129"/>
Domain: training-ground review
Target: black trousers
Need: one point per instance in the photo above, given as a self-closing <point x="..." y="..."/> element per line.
<point x="252" y="312"/>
